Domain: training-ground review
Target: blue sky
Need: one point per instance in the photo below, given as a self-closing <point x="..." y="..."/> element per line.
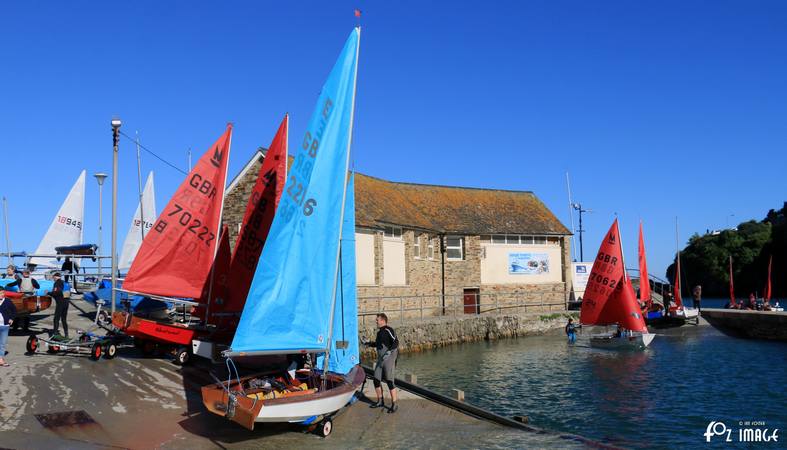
<point x="657" y="109"/>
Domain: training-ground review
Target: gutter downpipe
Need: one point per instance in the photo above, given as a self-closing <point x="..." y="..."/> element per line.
<point x="442" y="269"/>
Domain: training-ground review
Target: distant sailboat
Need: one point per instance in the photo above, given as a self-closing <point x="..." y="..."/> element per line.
<point x="302" y="299"/>
<point x="680" y="311"/>
<point x="610" y="299"/>
<point x="146" y="211"/>
<point x="67" y="226"/>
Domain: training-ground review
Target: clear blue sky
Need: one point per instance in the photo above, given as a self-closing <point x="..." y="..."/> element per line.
<point x="657" y="109"/>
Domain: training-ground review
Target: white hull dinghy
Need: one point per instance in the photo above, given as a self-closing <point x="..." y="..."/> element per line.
<point x="628" y="340"/>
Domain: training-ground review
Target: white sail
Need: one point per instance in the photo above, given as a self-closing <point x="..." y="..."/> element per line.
<point x="143" y="222"/>
<point x="66" y="228"/>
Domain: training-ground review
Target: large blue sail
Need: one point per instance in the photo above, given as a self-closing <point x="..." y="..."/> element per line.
<point x="344" y="348"/>
<point x="288" y="308"/>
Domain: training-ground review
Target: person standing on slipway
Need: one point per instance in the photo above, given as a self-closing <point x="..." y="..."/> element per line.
<point x="7" y="316"/>
<point x="387" y="345"/>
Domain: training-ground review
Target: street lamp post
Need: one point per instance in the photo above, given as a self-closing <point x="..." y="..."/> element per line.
<point x="100" y="177"/>
<point x="115" y="138"/>
<point x="581" y="231"/>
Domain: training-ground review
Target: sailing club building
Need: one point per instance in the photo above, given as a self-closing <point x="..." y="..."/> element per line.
<point x="424" y="250"/>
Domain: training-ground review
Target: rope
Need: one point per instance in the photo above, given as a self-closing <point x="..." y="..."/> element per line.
<point x="153" y="153"/>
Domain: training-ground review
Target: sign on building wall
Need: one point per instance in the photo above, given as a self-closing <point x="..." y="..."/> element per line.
<point x="580" y="273"/>
<point x="528" y="263"/>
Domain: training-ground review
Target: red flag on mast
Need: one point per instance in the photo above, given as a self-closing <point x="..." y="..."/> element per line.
<point x="175" y="257"/>
<point x="732" y="288"/>
<point x="644" y="282"/>
<point x="676" y="293"/>
<point x="768" y="292"/>
<point x="260" y="209"/>
<point x="605" y="277"/>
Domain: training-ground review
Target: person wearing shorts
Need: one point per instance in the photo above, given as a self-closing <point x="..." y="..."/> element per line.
<point x="387" y="345"/>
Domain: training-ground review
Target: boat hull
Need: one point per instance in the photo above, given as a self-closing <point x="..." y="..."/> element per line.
<point x="28" y="304"/>
<point x="166" y="333"/>
<point x="635" y="341"/>
<point x="305" y="408"/>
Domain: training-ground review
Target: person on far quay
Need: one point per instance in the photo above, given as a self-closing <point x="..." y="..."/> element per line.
<point x="387" y="345"/>
<point x="697" y="295"/>
<point x="7" y="316"/>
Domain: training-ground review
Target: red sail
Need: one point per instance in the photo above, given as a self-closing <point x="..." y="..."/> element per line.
<point x="626" y="302"/>
<point x="260" y="209"/>
<point x="176" y="255"/>
<point x="605" y="276"/>
<point x="768" y="288"/>
<point x="216" y="288"/>
<point x="732" y="287"/>
<point x="678" y="298"/>
<point x="644" y="282"/>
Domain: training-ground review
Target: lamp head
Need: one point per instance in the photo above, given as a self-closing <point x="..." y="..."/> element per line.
<point x="116" y="123"/>
<point x="100" y="177"/>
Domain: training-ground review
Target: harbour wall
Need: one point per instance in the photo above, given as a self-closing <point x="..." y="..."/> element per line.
<point x="424" y="335"/>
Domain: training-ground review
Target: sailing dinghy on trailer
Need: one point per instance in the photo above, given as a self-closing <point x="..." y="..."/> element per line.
<point x="302" y="299"/>
<point x="175" y="258"/>
<point x="610" y="299"/>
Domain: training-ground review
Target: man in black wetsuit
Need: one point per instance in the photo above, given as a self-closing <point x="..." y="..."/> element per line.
<point x="61" y="304"/>
<point x="387" y="345"/>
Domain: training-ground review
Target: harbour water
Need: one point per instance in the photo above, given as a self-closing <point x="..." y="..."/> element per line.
<point x="663" y="397"/>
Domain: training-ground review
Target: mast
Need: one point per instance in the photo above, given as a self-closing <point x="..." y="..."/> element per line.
<point x="7" y="239"/>
<point x="571" y="215"/>
<point x="139" y="189"/>
<point x="336" y="274"/>
<point x="218" y="226"/>
<point x="679" y="296"/>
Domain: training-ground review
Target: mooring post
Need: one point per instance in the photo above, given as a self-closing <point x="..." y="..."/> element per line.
<point x="459" y="395"/>
<point x="411" y="378"/>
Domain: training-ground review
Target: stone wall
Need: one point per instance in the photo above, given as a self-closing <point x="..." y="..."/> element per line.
<point x="420" y="336"/>
<point x="235" y="201"/>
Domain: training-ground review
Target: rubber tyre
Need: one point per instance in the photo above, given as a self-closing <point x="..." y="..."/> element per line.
<point x="182" y="356"/>
<point x="96" y="351"/>
<point x="325" y="428"/>
<point x="104" y="318"/>
<point x="110" y="350"/>
<point x="32" y="344"/>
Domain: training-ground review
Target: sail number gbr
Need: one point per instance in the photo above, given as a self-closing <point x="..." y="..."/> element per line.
<point x="185" y="218"/>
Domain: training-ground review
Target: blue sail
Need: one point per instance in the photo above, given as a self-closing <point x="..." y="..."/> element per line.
<point x="344" y="348"/>
<point x="288" y="308"/>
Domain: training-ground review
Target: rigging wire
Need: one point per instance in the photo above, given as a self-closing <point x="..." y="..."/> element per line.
<point x="153" y="153"/>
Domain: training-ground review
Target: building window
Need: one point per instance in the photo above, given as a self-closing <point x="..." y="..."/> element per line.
<point x="498" y="239"/>
<point x="392" y="232"/>
<point x="416" y="245"/>
<point x="454" y="248"/>
<point x="512" y="239"/>
<point x="486" y="239"/>
<point x="540" y="240"/>
<point x="553" y="240"/>
<point x="526" y="240"/>
<point x="430" y="247"/>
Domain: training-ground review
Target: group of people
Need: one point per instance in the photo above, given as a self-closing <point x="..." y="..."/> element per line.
<point x="26" y="284"/>
<point x="751" y="304"/>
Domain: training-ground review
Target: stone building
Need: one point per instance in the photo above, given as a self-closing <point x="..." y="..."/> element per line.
<point x="424" y="250"/>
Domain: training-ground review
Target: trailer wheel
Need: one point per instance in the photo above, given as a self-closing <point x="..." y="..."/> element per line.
<point x="104" y="318"/>
<point x="325" y="428"/>
<point x="32" y="344"/>
<point x="95" y="351"/>
<point x="182" y="356"/>
<point x="110" y="351"/>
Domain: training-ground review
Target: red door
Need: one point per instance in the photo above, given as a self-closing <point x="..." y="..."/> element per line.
<point x="472" y="303"/>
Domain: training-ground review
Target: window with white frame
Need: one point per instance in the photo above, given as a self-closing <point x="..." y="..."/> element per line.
<point x="454" y="248"/>
<point x="430" y="247"/>
<point x="519" y="239"/>
<point x="416" y="245"/>
<point x="392" y="232"/>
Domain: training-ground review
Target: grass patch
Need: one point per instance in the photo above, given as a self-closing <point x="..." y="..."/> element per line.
<point x="555" y="316"/>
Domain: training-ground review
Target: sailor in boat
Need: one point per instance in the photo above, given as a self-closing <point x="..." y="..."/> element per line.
<point x="10" y="272"/>
<point x="387" y="345"/>
<point x="61" y="305"/>
<point x="25" y="284"/>
<point x="697" y="295"/>
<point x="571" y="330"/>
<point x="7" y="315"/>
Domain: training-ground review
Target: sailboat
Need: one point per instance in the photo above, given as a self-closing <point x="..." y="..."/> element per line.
<point x="302" y="300"/>
<point x="645" y="296"/>
<point x="66" y="228"/>
<point x="233" y="271"/>
<point x="610" y="299"/>
<point x="680" y="311"/>
<point x="141" y="224"/>
<point x="175" y="259"/>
